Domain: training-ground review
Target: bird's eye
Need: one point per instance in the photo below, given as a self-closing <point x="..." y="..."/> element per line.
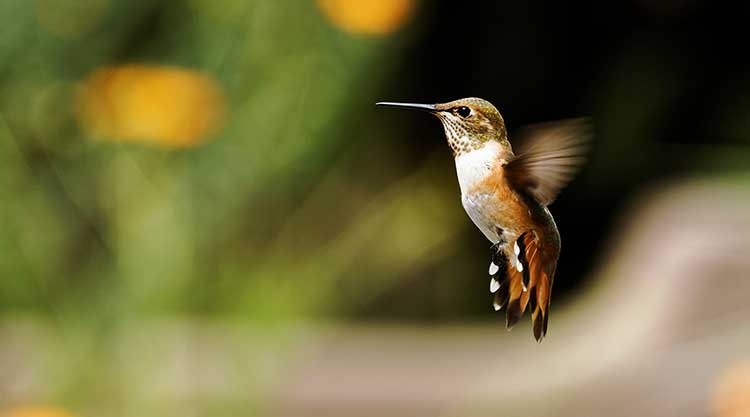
<point x="464" y="111"/>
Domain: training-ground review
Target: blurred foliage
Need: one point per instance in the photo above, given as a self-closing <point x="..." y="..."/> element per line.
<point x="267" y="220"/>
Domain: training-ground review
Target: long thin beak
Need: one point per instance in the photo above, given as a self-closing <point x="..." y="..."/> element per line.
<point x="413" y="106"/>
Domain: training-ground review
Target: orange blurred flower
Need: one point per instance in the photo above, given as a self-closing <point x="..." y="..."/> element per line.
<point x="35" y="411"/>
<point x="170" y="106"/>
<point x="369" y="17"/>
<point x="731" y="393"/>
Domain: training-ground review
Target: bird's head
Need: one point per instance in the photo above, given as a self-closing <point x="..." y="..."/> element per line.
<point x="468" y="122"/>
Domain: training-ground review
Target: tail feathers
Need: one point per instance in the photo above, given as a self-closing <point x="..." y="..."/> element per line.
<point x="537" y="317"/>
<point x="513" y="314"/>
<point x="501" y="297"/>
<point x="540" y="314"/>
<point x="523" y="281"/>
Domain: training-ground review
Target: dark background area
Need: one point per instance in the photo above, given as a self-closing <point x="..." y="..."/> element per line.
<point x="539" y="61"/>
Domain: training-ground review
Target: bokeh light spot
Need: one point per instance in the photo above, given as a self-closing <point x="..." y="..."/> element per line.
<point x="368" y="17"/>
<point x="35" y="411"/>
<point x="169" y="106"/>
<point x="731" y="393"/>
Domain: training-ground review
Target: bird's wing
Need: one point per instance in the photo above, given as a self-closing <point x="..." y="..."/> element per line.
<point x="548" y="156"/>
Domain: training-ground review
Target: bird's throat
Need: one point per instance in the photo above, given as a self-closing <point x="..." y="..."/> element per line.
<point x="473" y="166"/>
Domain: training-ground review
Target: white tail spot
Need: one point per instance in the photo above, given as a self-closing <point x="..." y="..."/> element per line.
<point x="496" y="305"/>
<point x="493" y="268"/>
<point x="494" y="285"/>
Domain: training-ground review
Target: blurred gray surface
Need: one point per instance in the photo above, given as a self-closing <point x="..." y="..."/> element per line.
<point x="667" y="315"/>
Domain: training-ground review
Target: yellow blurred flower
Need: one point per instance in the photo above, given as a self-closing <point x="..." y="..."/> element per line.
<point x="35" y="411"/>
<point x="170" y="106"/>
<point x="369" y="17"/>
<point x="731" y="393"/>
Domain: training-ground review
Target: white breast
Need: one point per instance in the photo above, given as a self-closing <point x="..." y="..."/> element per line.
<point x="471" y="168"/>
<point x="474" y="166"/>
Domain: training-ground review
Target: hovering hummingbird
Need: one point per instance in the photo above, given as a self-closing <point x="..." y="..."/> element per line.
<point x="506" y="195"/>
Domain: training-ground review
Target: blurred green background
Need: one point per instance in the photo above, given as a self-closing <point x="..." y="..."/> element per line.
<point x="197" y="192"/>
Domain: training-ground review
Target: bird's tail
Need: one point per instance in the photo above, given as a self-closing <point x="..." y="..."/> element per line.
<point x="520" y="278"/>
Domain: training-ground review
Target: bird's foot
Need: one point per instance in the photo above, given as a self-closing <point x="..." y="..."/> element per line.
<point x="497" y="255"/>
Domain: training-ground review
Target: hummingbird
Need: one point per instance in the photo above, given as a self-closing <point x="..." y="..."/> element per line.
<point x="506" y="194"/>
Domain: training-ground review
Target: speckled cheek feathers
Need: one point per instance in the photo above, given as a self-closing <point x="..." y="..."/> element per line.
<point x="464" y="138"/>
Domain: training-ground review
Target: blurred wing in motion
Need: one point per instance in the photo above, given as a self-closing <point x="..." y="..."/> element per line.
<point x="548" y="156"/>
